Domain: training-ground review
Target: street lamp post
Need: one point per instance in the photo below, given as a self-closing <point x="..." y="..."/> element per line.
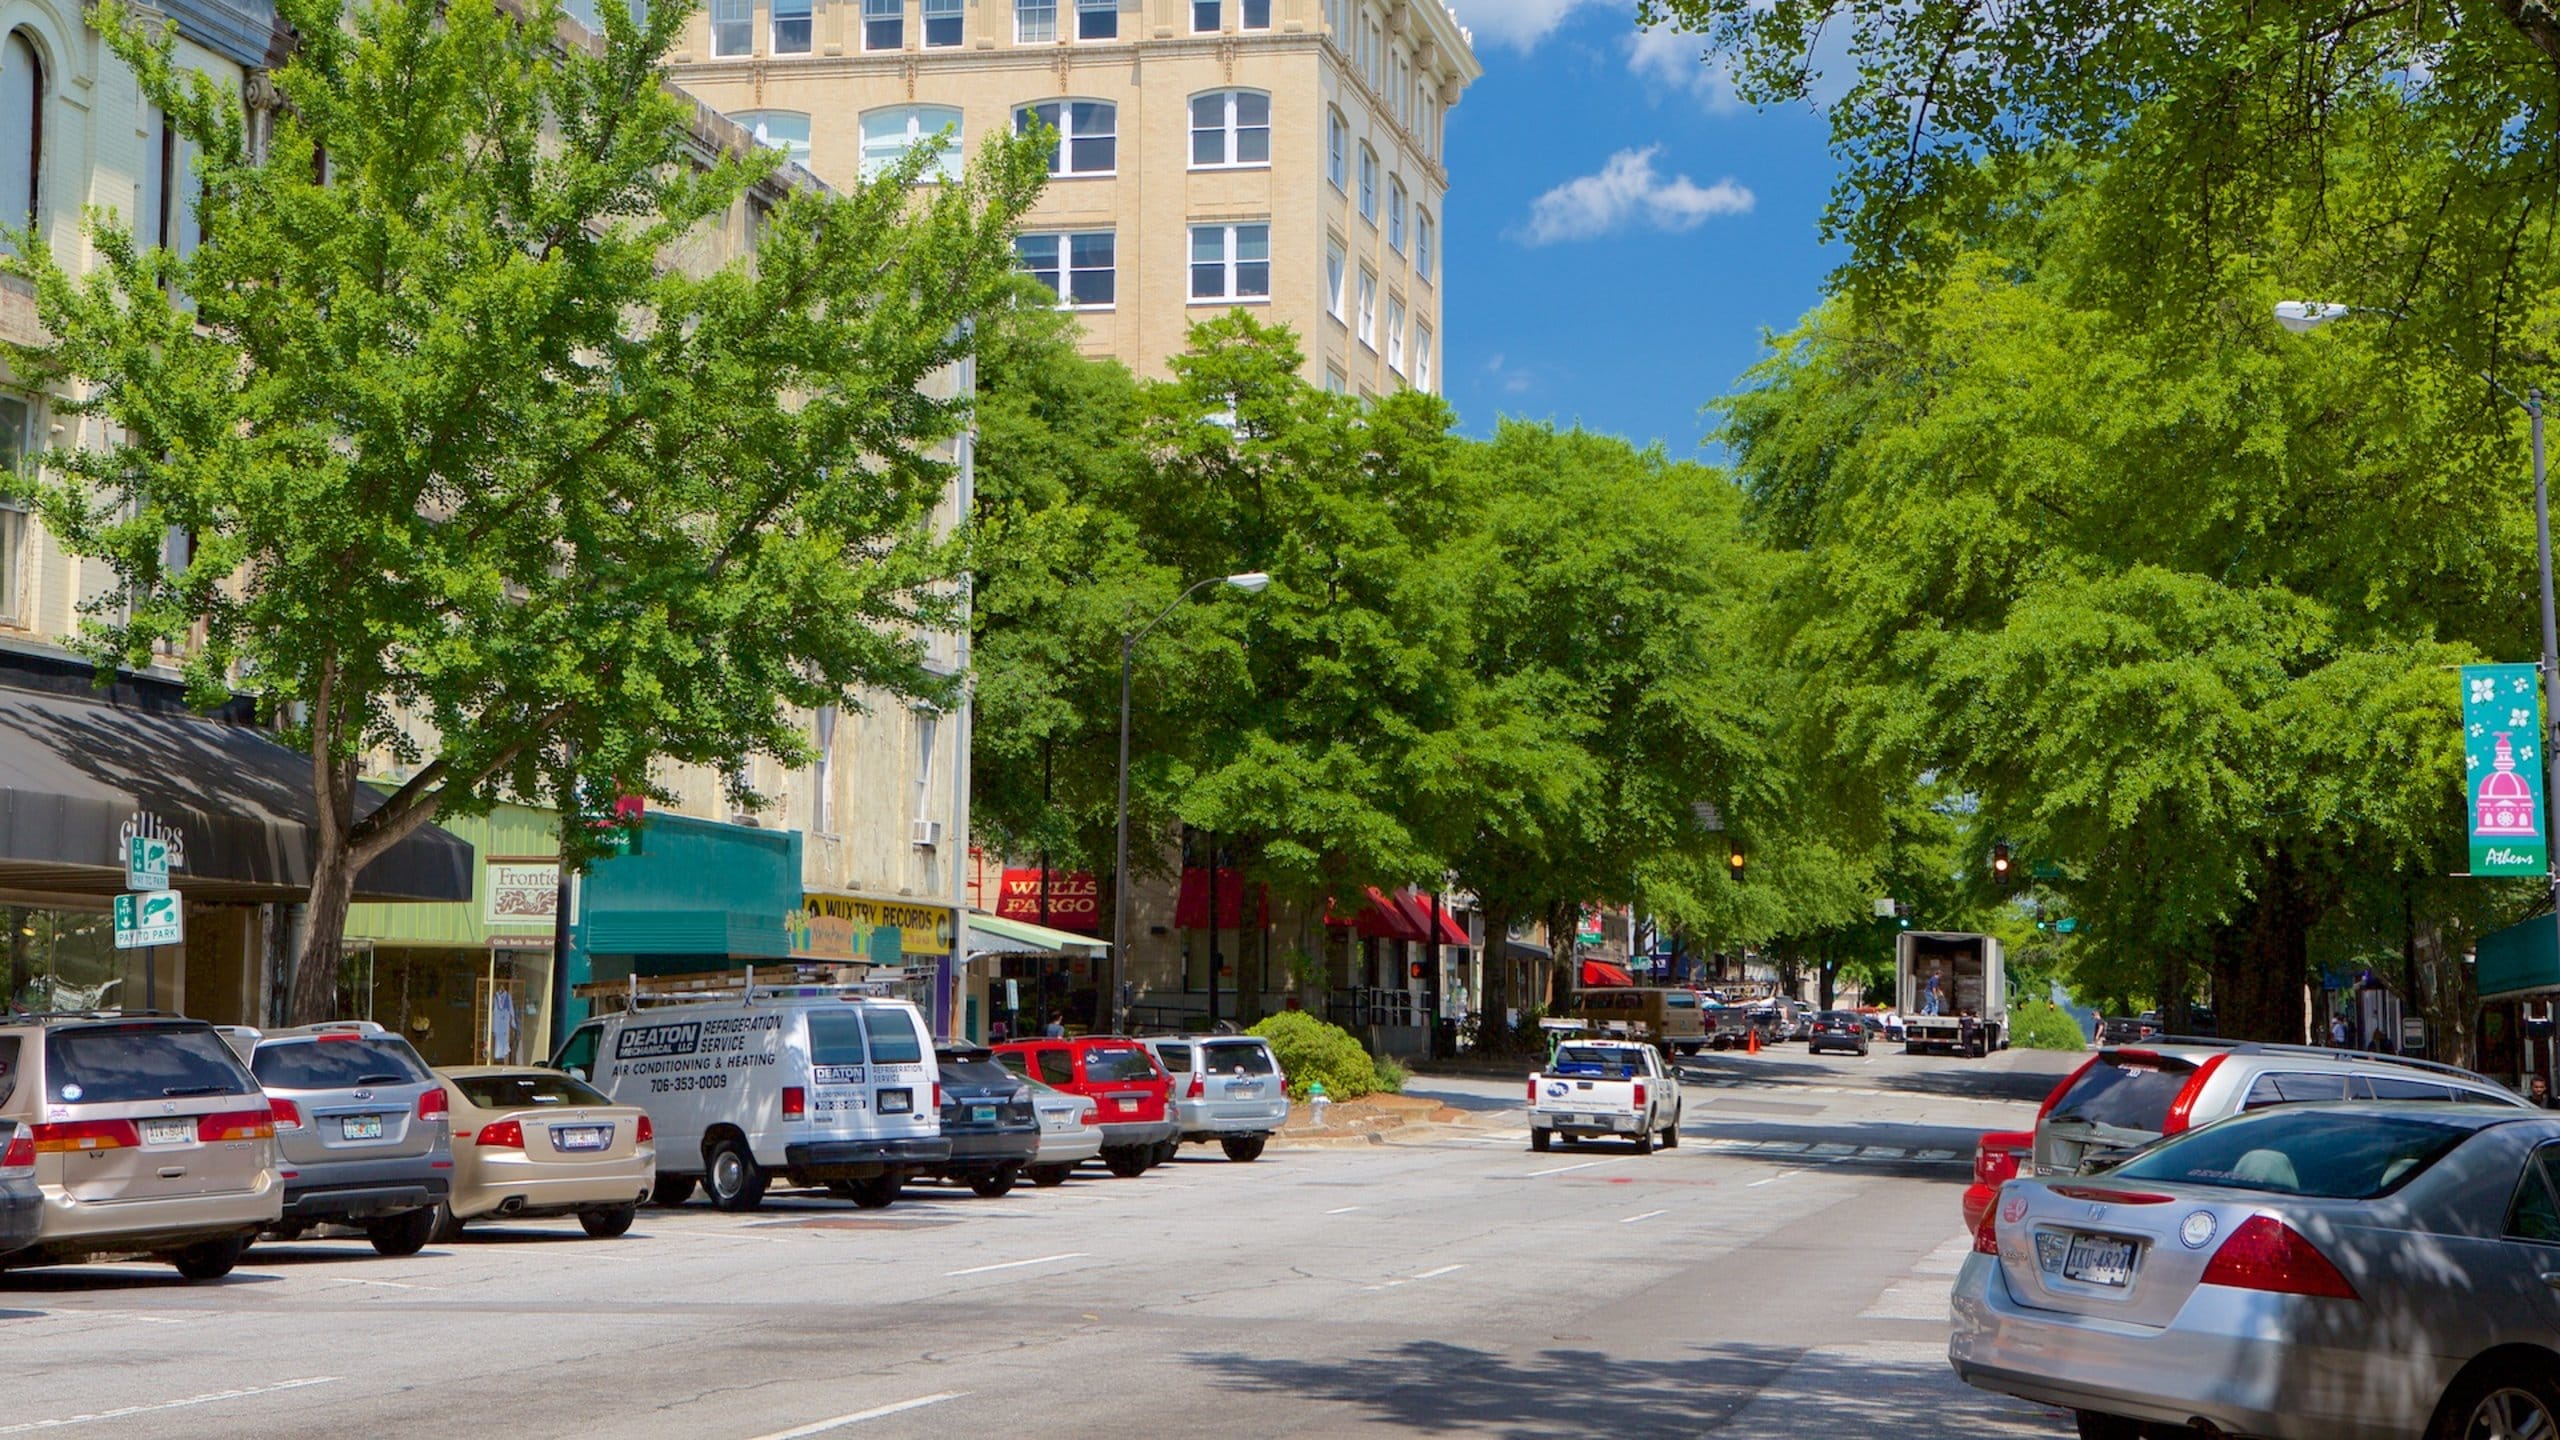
<point x="2304" y="316"/>
<point x="1250" y="582"/>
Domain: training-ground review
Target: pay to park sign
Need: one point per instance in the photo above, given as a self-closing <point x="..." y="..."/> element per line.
<point x="2503" y="765"/>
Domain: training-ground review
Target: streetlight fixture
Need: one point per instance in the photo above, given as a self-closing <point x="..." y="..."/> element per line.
<point x="2304" y="316"/>
<point x="1251" y="582"/>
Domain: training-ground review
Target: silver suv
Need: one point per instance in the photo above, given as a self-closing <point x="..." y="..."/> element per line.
<point x="1226" y="1088"/>
<point x="2127" y="1096"/>
<point x="362" y="1130"/>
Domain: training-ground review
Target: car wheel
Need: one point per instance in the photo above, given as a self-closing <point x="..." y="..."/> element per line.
<point x="671" y="1190"/>
<point x="1243" y="1149"/>
<point x="1165" y="1151"/>
<point x="997" y="1185"/>
<point x="406" y="1233"/>
<point x="209" y="1259"/>
<point x="730" y="1179"/>
<point x="1046" y="1176"/>
<point x="1127" y="1161"/>
<point x="2497" y="1404"/>
<point x="606" y="1224"/>
<point x="1538" y="1140"/>
<point x="1644" y="1142"/>
<point x="877" y="1193"/>
<point x="448" y="1225"/>
<point x="1671" y="1132"/>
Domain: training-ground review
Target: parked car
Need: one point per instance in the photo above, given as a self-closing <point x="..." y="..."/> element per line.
<point x="1605" y="1089"/>
<point x="2126" y="1029"/>
<point x="2324" y="1272"/>
<point x="826" y="1085"/>
<point x="1130" y="1090"/>
<point x="362" y="1131"/>
<point x="21" y="1203"/>
<point x="1838" y="1030"/>
<point x="1226" y="1088"/>
<point x="534" y="1144"/>
<point x="148" y="1136"/>
<point x="989" y="1118"/>
<point x="1069" y="1135"/>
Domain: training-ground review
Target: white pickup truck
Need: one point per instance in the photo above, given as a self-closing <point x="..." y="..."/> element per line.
<point x="1605" y="1088"/>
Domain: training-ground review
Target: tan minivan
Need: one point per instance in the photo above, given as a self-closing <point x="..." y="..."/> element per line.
<point x="151" y="1138"/>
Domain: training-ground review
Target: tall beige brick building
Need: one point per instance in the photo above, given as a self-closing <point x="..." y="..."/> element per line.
<point x="1284" y="155"/>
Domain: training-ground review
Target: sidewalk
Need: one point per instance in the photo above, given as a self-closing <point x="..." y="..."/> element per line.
<point x="1371" y="1120"/>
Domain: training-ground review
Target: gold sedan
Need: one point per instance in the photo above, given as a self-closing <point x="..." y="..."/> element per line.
<point x="532" y="1144"/>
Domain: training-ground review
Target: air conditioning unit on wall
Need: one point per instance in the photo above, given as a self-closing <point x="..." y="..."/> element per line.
<point x="927" y="833"/>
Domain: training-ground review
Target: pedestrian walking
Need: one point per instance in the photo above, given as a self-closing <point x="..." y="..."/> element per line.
<point x="2538" y="1090"/>
<point x="1056" y="1029"/>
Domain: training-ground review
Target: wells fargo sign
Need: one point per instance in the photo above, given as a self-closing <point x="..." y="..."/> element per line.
<point x="1075" y="900"/>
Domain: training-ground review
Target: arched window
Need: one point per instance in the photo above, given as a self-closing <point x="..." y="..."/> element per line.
<point x="21" y="130"/>
<point x="1088" y="135"/>
<point x="888" y="134"/>
<point x="1230" y="128"/>
<point x="783" y="130"/>
<point x="1337" y="149"/>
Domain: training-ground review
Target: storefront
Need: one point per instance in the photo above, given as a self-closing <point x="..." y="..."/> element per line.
<point x="690" y="897"/>
<point x="904" y="942"/>
<point x="84" y="772"/>
<point x="1020" y="975"/>
<point x="468" y="984"/>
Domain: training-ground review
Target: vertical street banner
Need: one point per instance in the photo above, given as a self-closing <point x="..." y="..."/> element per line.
<point x="2503" y="767"/>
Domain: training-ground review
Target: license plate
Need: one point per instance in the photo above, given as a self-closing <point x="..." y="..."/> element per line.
<point x="581" y="1137"/>
<point x="1125" y="1105"/>
<point x="896" y="1102"/>
<point x="1244" y="1087"/>
<point x="2098" y="1260"/>
<point x="359" y="1127"/>
<point x="982" y="1114"/>
<point x="168" y="1132"/>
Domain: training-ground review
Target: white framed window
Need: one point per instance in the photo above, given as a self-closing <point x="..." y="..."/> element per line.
<point x="1253" y="14"/>
<point x="942" y="24"/>
<point x="1204" y="17"/>
<point x="1231" y="262"/>
<point x="1035" y="22"/>
<point x="22" y="107"/>
<point x="887" y="136"/>
<point x="1230" y="129"/>
<point x="1337" y="24"/>
<point x="1425" y="237"/>
<point x="1395" y="213"/>
<point x="1097" y="19"/>
<point x="783" y="130"/>
<point x="1337" y="268"/>
<point x="1397" y="89"/>
<point x="17" y="459"/>
<point x="1337" y="149"/>
<point x="733" y="27"/>
<point x="822" y="780"/>
<point x="1421" y="357"/>
<point x="1079" y="267"/>
<point x="1088" y="135"/>
<point x="159" y="181"/>
<point x="1368" y="183"/>
<point x="1395" y="333"/>
<point x="928" y="729"/>
<point x="1365" y="324"/>
<point x="884" y="24"/>
<point x="1335" y="382"/>
<point x="794" y="25"/>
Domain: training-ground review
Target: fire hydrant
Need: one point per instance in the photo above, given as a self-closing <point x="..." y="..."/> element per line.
<point x="1317" y="1097"/>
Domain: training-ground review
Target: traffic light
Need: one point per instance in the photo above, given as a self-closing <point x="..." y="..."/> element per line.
<point x="1414" y="970"/>
<point x="1902" y="914"/>
<point x="2000" y="863"/>
<point x="1736" y="862"/>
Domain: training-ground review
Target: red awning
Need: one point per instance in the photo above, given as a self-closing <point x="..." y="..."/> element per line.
<point x="1601" y="975"/>
<point x="1191" y="906"/>
<point x="1382" y="918"/>
<point x="1419" y="906"/>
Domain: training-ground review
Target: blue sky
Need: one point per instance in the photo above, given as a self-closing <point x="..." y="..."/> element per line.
<point x="1620" y="232"/>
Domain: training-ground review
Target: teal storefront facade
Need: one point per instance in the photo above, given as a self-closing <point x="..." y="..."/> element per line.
<point x="691" y="896"/>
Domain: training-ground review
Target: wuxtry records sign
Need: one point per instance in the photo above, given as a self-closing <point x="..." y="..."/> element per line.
<point x="2502" y="737"/>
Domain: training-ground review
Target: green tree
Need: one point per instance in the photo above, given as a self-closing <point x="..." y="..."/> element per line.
<point x="478" y="480"/>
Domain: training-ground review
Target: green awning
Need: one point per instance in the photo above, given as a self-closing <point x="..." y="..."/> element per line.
<point x="2521" y="960"/>
<point x="994" y="935"/>
<point x="693" y="888"/>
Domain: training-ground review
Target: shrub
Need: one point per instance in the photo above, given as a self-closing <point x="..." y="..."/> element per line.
<point x="2043" y="1025"/>
<point x="1310" y="1050"/>
<point x="1391" y="1076"/>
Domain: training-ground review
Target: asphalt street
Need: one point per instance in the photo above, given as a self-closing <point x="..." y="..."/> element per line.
<point x="1784" y="1272"/>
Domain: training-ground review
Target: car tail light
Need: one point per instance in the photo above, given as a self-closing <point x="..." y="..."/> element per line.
<point x="1986" y="1239"/>
<point x="1084" y="1117"/>
<point x="67" y="1136"/>
<point x="2182" y="1110"/>
<point x="286" y="1114"/>
<point x="795" y="1102"/>
<point x="1198" y="1089"/>
<point x="432" y="1104"/>
<point x="2096" y="1196"/>
<point x="237" y="1125"/>
<point x="2055" y="1096"/>
<point x="1639" y="1094"/>
<point x="326" y="1035"/>
<point x="21" y="1154"/>
<point x="501" y="1135"/>
<point x="1533" y="1091"/>
<point x="1996" y="1155"/>
<point x="2267" y="1254"/>
<point x="646" y="1133"/>
<point x="937" y="1094"/>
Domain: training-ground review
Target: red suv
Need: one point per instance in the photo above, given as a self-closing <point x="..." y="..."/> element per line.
<point x="1131" y="1094"/>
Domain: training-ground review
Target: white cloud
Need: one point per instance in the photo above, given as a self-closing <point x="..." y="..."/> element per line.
<point x="1518" y="24"/>
<point x="1673" y="60"/>
<point x="1629" y="191"/>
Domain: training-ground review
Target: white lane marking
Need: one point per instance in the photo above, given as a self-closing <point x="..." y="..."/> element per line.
<point x="878" y="1412"/>
<point x="1409" y="1279"/>
<point x="1772" y="1180"/>
<point x="385" y="1284"/>
<point x="1649" y="1214"/>
<point x="1345" y="1210"/>
<point x="1013" y="1265"/>
<point x="1559" y="1170"/>
<point x="214" y="1397"/>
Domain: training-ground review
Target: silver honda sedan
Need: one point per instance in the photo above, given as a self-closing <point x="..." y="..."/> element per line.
<point x="2330" y="1272"/>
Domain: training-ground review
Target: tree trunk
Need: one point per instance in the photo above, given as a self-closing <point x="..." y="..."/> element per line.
<point x="2450" y="1002"/>
<point x="315" y="971"/>
<point x="2262" y="959"/>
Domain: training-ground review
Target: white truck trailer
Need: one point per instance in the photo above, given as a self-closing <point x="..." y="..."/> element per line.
<point x="1954" y="992"/>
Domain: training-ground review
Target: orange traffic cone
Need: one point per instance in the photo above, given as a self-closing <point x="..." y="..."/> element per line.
<point x="1751" y="1044"/>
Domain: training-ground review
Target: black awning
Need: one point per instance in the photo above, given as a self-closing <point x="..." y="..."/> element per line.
<point x="79" y="766"/>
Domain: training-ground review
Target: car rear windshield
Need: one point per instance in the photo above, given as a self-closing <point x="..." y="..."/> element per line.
<point x="2124" y="1092"/>
<point x="1240" y="1059"/>
<point x="525" y="1090"/>
<point x="835" y="1037"/>
<point x="1109" y="1066"/>
<point x="893" y="1038"/>
<point x="1596" y="1060"/>
<point x="2292" y="1151"/>
<point x="977" y="1072"/>
<point x="333" y="1063"/>
<point x="1681" y="1000"/>
<point x="1174" y="1057"/>
<point x="89" y="1064"/>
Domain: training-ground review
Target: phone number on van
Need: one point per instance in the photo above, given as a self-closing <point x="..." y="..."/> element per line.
<point x="716" y="1080"/>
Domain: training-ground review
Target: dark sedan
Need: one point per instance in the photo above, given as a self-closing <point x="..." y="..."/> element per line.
<point x="1838" y="1030"/>
<point x="987" y="1116"/>
<point x="20" y="1201"/>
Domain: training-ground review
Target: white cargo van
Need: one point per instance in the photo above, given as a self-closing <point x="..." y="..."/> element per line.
<point x="814" y="1084"/>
